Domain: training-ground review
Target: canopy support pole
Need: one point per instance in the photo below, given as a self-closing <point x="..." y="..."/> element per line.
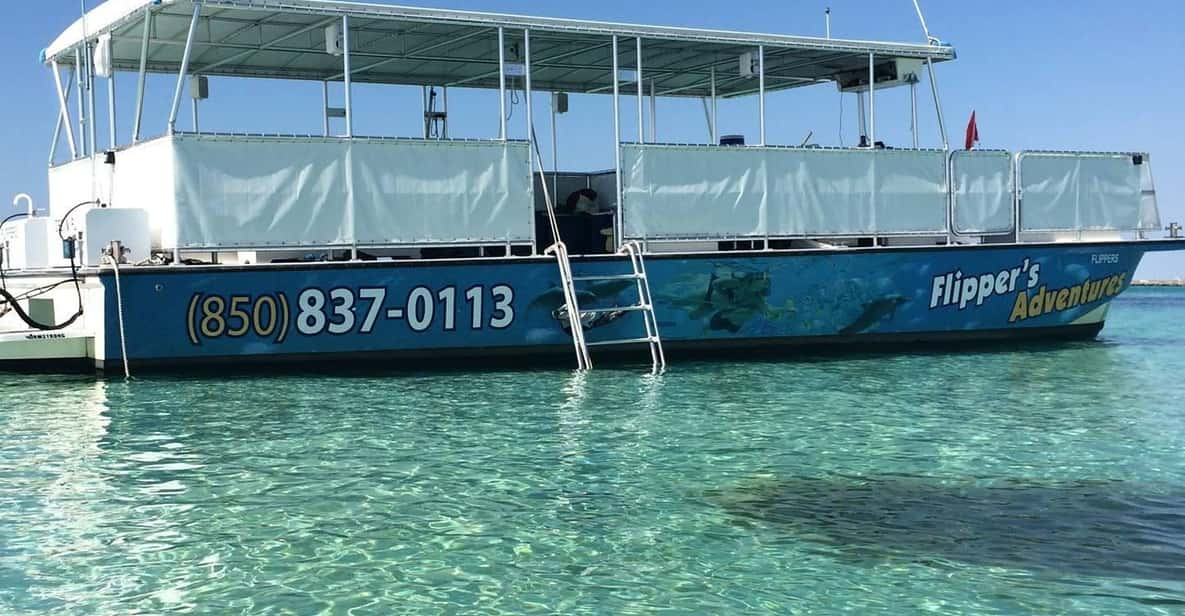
<point x="176" y="108"/>
<point x="555" y="152"/>
<point x="63" y="113"/>
<point x="715" y="111"/>
<point x="502" y="83"/>
<point x="618" y="223"/>
<point x="872" y="135"/>
<point x="112" y="127"/>
<point x="937" y="104"/>
<point x="530" y="115"/>
<point x="761" y="87"/>
<point x="57" y="136"/>
<point x="143" y="75"/>
<point x="325" y="108"/>
<point x="861" y="121"/>
<point x="79" y="70"/>
<point x="707" y="117"/>
<point x="913" y="110"/>
<point x="53" y="145"/>
<point x="641" y="95"/>
<point x="424" y="104"/>
<point x="348" y="85"/>
<point x="871" y="100"/>
<point x="348" y="79"/>
<point x="530" y="135"/>
<point x="653" y="113"/>
<point x="88" y="51"/>
<point x="527" y="93"/>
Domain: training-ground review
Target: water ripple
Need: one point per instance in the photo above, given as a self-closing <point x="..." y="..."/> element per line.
<point x="1038" y="479"/>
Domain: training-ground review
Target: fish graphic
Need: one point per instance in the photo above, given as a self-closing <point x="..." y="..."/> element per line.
<point x="588" y="320"/>
<point x="875" y="312"/>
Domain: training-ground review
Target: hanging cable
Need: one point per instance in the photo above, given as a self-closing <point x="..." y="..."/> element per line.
<point x="432" y="130"/>
<point x="12" y="217"/>
<point x="13" y="301"/>
<point x="512" y="93"/>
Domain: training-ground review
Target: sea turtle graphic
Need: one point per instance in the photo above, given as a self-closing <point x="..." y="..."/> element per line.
<point x="727" y="299"/>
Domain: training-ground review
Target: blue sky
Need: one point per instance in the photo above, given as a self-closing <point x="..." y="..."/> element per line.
<point x="1088" y="75"/>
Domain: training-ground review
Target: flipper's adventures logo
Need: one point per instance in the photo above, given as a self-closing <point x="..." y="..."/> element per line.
<point x="1034" y="300"/>
<point x="1044" y="301"/>
<point x="955" y="288"/>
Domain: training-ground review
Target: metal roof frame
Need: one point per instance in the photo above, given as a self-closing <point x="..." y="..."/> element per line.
<point x="419" y="46"/>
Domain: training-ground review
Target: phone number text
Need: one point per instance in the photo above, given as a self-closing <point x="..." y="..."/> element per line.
<point x="342" y="310"/>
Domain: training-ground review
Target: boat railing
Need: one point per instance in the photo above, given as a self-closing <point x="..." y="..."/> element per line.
<point x="313" y="138"/>
<point x="673" y="192"/>
<point x="677" y="192"/>
<point x="982" y="193"/>
<point x="1059" y="191"/>
<point x="231" y="191"/>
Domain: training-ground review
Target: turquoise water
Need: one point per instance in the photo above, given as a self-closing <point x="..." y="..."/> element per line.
<point x="1037" y="480"/>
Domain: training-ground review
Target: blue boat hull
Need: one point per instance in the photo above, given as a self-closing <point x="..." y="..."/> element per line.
<point x="739" y="301"/>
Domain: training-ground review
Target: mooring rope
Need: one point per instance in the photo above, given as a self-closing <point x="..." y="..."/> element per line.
<point x="123" y="344"/>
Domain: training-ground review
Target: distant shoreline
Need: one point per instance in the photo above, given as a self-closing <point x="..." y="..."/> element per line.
<point x="1159" y="283"/>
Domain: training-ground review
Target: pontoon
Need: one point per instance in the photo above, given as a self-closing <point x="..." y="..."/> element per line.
<point x="179" y="246"/>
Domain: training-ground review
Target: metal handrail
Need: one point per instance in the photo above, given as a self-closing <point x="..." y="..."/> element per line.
<point x="657" y="356"/>
<point x="560" y="250"/>
<point x="567" y="284"/>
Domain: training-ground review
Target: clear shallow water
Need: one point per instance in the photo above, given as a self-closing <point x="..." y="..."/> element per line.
<point x="1042" y="480"/>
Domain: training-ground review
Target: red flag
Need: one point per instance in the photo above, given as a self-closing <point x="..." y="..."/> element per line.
<point x="972" y="133"/>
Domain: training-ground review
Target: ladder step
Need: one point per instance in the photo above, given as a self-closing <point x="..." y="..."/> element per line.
<point x="620" y="342"/>
<point x="607" y="277"/>
<point x="636" y="308"/>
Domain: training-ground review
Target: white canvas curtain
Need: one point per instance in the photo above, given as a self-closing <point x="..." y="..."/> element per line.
<point x="982" y="188"/>
<point x="717" y="192"/>
<point x="1063" y="191"/>
<point x="261" y="192"/>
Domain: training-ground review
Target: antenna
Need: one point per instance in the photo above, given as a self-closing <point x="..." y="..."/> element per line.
<point x="926" y="30"/>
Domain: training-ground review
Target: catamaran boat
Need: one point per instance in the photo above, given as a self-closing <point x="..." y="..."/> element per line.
<point x="198" y="247"/>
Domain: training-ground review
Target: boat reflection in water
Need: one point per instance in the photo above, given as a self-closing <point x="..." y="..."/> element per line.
<point x="1097" y="528"/>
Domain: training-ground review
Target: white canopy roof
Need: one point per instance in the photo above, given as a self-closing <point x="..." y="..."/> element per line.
<point x="405" y="45"/>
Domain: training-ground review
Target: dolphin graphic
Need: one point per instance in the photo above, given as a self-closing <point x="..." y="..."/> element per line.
<point x="553" y="298"/>
<point x="588" y="296"/>
<point x="875" y="312"/>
